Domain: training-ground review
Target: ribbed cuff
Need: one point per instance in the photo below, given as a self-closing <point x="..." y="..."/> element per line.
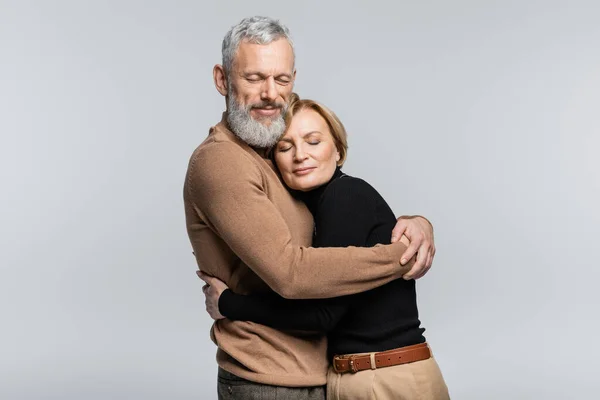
<point x="225" y="303"/>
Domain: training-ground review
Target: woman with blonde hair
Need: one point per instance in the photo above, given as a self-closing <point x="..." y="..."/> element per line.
<point x="375" y="339"/>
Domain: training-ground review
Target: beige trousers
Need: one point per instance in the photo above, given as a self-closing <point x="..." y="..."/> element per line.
<point x="421" y="380"/>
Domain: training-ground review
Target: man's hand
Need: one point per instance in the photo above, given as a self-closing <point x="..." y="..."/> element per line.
<point x="212" y="291"/>
<point x="420" y="233"/>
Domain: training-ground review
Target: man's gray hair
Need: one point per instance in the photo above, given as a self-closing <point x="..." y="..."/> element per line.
<point x="258" y="30"/>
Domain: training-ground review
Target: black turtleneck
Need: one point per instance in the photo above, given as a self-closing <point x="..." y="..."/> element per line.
<point x="347" y="212"/>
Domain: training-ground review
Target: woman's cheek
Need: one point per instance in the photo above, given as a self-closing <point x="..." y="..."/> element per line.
<point x="283" y="161"/>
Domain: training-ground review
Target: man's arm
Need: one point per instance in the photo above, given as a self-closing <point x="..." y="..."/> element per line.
<point x="226" y="188"/>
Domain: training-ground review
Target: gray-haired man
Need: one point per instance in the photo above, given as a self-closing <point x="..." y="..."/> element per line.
<point x="247" y="230"/>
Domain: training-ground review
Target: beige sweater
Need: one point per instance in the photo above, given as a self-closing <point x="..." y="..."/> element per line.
<point x="247" y="230"/>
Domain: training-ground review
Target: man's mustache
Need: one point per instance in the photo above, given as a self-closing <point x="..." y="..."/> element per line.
<point x="266" y="105"/>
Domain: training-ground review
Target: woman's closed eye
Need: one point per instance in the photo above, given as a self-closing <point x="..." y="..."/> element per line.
<point x="283" y="149"/>
<point x="314" y="142"/>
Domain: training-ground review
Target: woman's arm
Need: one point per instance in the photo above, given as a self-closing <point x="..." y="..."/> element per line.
<point x="277" y="312"/>
<point x="271" y="309"/>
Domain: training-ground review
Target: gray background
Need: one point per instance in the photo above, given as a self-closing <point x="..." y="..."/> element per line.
<point x="483" y="116"/>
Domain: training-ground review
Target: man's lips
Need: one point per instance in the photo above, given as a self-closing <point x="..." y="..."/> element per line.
<point x="303" y="170"/>
<point x="266" y="112"/>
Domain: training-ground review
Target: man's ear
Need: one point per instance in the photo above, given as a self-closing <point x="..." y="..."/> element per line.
<point x="220" y="79"/>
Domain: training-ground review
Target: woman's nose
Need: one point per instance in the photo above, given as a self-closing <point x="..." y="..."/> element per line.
<point x="300" y="155"/>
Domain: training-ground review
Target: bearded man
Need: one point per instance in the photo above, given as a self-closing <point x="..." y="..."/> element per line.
<point x="247" y="230"/>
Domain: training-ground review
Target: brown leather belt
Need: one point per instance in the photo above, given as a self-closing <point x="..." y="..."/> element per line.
<point x="402" y="355"/>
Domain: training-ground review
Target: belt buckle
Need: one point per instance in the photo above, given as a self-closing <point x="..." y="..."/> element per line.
<point x="335" y="365"/>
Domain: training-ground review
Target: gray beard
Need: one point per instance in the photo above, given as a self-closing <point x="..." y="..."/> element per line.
<point x="251" y="131"/>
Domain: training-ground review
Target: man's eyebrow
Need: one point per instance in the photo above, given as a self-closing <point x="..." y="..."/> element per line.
<point x="250" y="73"/>
<point x="262" y="75"/>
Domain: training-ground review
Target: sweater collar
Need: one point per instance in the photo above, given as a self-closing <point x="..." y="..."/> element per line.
<point x="313" y="197"/>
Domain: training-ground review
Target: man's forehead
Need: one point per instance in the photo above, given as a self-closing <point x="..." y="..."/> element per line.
<point x="275" y="55"/>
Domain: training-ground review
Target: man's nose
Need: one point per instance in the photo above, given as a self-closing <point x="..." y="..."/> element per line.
<point x="269" y="90"/>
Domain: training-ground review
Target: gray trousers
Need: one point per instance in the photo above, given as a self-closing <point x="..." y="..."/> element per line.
<point x="232" y="387"/>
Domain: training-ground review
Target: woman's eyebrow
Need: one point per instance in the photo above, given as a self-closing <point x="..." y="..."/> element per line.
<point x="288" y="140"/>
<point x="312" y="133"/>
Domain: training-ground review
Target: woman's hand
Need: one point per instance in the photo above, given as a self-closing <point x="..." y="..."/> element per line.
<point x="212" y="291"/>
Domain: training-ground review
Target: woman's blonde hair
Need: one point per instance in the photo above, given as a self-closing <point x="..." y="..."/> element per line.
<point x="340" y="138"/>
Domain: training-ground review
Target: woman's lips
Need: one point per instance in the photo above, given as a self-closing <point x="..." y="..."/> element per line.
<point x="303" y="171"/>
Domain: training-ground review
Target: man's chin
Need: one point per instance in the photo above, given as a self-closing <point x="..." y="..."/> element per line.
<point x="265" y="115"/>
<point x="266" y="121"/>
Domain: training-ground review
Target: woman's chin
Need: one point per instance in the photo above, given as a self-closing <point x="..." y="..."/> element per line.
<point x="304" y="186"/>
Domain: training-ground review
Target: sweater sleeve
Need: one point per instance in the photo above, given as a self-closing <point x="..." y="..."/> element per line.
<point x="226" y="188"/>
<point x="346" y="217"/>
<point x="272" y="310"/>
